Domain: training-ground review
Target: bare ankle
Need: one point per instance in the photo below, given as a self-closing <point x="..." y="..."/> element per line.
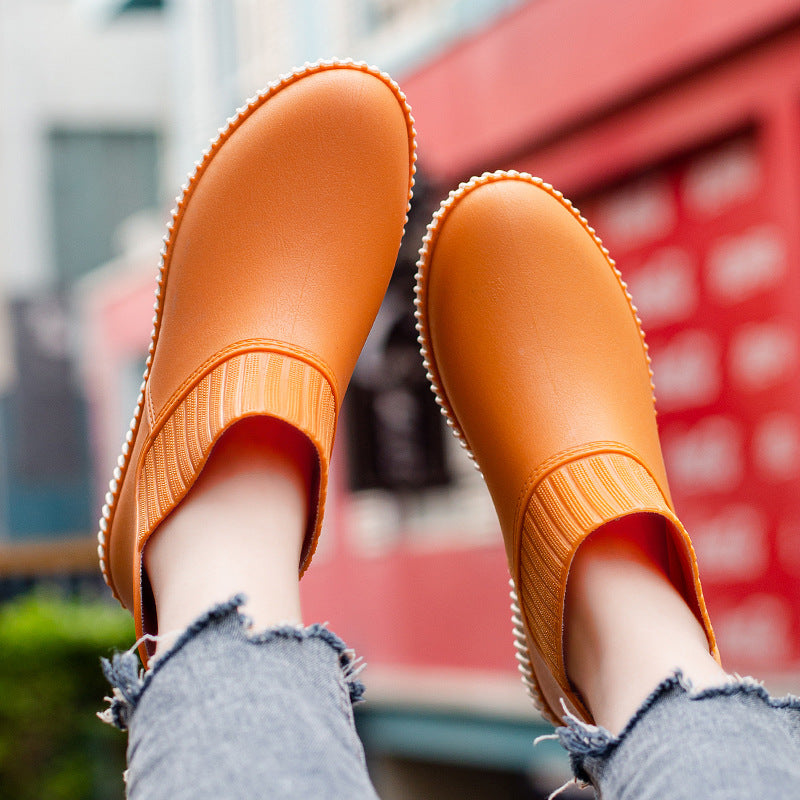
<point x="239" y="530"/>
<point x="627" y="627"/>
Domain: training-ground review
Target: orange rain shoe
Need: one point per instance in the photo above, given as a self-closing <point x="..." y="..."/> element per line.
<point x="538" y="360"/>
<point x="274" y="265"/>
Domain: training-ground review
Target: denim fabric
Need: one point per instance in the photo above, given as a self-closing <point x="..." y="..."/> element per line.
<point x="229" y="715"/>
<point x="734" y="742"/>
<point x="226" y="714"/>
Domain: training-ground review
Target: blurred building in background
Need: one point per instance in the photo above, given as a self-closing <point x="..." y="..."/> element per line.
<point x="82" y="118"/>
<point x="677" y="134"/>
<point x="680" y="141"/>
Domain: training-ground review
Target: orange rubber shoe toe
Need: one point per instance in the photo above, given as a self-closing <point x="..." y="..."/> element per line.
<point x="276" y="261"/>
<point x="538" y="360"/>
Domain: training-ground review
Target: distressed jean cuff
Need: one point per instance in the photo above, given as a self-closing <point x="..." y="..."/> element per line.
<point x="228" y="712"/>
<point x="720" y="742"/>
<point x="129" y="681"/>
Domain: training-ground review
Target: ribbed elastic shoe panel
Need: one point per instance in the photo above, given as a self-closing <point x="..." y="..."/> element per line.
<point x="266" y="383"/>
<point x="565" y="506"/>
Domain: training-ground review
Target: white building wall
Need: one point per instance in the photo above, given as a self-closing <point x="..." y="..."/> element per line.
<point x="61" y="66"/>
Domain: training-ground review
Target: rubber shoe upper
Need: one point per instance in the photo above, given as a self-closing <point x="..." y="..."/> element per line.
<point x="276" y="261"/>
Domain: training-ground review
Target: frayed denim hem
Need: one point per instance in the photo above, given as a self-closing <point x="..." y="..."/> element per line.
<point x="586" y="742"/>
<point x="129" y="681"/>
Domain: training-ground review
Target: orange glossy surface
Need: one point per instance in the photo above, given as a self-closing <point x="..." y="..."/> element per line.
<point x="538" y="357"/>
<point x="284" y="242"/>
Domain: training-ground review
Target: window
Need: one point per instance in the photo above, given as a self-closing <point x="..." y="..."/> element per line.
<point x="98" y="179"/>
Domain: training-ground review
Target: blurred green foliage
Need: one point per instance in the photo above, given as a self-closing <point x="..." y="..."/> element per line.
<point x="52" y="746"/>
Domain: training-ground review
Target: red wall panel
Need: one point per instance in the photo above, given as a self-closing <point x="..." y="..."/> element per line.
<point x="676" y="129"/>
<point x="706" y="257"/>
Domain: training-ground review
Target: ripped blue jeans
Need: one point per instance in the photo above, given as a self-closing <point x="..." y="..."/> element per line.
<point x="230" y="715"/>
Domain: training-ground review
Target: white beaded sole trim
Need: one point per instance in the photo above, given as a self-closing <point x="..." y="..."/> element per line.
<point x="522" y="653"/>
<point x="233" y="122"/>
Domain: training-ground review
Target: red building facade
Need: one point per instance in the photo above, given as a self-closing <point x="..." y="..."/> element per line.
<point x="675" y="127"/>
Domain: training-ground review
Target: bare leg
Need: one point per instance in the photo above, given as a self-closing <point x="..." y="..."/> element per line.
<point x="240" y="529"/>
<point x="627" y="627"/>
<point x="226" y="713"/>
